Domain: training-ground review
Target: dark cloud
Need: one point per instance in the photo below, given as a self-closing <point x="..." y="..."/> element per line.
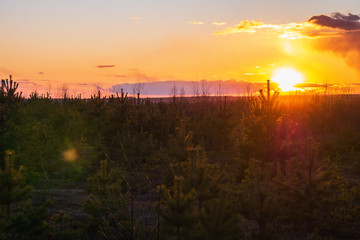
<point x="105" y="66"/>
<point x="351" y="17"/>
<point x="41" y="73"/>
<point x="346" y="42"/>
<point x="134" y="69"/>
<point x="337" y="20"/>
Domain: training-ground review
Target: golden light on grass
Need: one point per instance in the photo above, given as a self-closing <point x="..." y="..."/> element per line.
<point x="70" y="155"/>
<point x="287" y="78"/>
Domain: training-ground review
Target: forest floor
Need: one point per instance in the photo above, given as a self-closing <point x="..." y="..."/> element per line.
<point x="71" y="198"/>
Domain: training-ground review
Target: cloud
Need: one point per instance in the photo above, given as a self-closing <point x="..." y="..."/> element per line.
<point x="346" y="46"/>
<point x="27" y="82"/>
<point x="289" y="30"/>
<point x="40" y="73"/>
<point x="144" y="78"/>
<point x="338" y="33"/>
<point x="346" y="42"/>
<point x="84" y="84"/>
<point x="254" y="74"/>
<point x="6" y="71"/>
<point x="196" y="22"/>
<point x="243" y="26"/>
<point x="47" y="80"/>
<point x="135" y="18"/>
<point x="118" y="75"/>
<point x="311" y="85"/>
<point x="337" y="20"/>
<point x="135" y="75"/>
<point x="318" y="26"/>
<point x="105" y="66"/>
<point x="219" y="23"/>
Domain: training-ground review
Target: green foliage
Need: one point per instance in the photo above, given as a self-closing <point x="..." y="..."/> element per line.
<point x="179" y="217"/>
<point x="9" y="99"/>
<point x="257" y="200"/>
<point x="219" y="220"/>
<point x="11" y="185"/>
<point x="28" y="224"/>
<point x="18" y="217"/>
<point x="107" y="205"/>
<point x="199" y="187"/>
<point x="275" y="167"/>
<point x="180" y="143"/>
<point x="63" y="227"/>
<point x="258" y="131"/>
<point x="317" y="194"/>
<point x="200" y="176"/>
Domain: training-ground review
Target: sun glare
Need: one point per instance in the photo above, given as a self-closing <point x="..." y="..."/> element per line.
<point x="287" y="78"/>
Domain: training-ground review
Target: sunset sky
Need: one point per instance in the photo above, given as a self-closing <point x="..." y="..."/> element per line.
<point x="85" y="43"/>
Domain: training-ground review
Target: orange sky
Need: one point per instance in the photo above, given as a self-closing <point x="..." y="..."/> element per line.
<point x="46" y="46"/>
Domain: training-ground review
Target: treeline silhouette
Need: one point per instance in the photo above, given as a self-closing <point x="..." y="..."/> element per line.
<point x="256" y="167"/>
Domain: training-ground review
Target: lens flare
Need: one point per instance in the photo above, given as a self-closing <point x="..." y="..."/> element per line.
<point x="70" y="155"/>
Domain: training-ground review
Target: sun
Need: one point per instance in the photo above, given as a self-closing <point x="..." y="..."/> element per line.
<point x="287" y="78"/>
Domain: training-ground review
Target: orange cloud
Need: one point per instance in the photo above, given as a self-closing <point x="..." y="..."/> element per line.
<point x="289" y="30"/>
<point x="338" y="33"/>
<point x="316" y="27"/>
<point x="312" y="85"/>
<point x="135" y="18"/>
<point x="244" y="26"/>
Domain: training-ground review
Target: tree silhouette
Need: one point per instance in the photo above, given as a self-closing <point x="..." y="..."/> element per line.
<point x="8" y="98"/>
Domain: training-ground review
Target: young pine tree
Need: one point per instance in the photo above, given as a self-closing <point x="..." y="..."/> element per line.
<point x="12" y="190"/>
<point x="200" y="176"/>
<point x="257" y="200"/>
<point x="258" y="131"/>
<point x="107" y="205"/>
<point x="9" y="97"/>
<point x="219" y="220"/>
<point x="18" y="218"/>
<point x="178" y="214"/>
